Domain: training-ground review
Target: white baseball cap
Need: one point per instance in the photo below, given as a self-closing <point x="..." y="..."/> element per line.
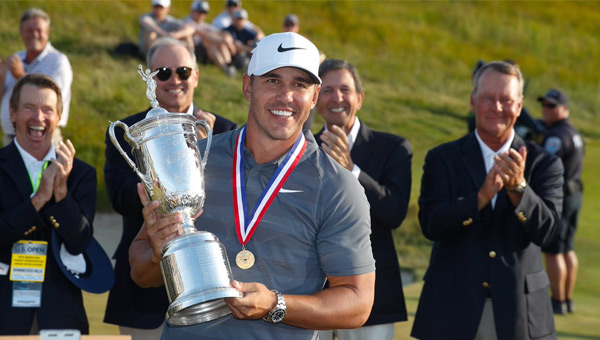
<point x="285" y="50"/>
<point x="163" y="3"/>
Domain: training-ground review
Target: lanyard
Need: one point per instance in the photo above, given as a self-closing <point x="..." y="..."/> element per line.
<point x="36" y="185"/>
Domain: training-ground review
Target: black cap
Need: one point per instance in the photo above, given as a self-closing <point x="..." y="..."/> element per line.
<point x="200" y="6"/>
<point x="555" y="96"/>
<point x="291" y="20"/>
<point x="234" y="3"/>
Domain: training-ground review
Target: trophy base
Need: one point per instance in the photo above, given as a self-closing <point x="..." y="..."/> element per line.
<point x="197" y="277"/>
<point x="200" y="307"/>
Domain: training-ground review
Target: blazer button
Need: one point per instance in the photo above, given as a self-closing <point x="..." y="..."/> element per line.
<point x="492" y="254"/>
<point x="522" y="217"/>
<point x="468" y="222"/>
<point x="485" y="285"/>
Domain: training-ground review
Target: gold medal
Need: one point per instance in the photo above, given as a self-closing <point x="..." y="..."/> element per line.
<point x="244" y="259"/>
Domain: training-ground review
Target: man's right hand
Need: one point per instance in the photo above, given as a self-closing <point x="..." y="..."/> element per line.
<point x="15" y="66"/>
<point x="159" y="229"/>
<point x="46" y="187"/>
<point x="491" y="186"/>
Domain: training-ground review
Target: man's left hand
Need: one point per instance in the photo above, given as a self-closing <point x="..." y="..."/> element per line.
<point x="256" y="302"/>
<point x="511" y="167"/>
<point x="209" y="118"/>
<point x="65" y="153"/>
<point x="335" y="144"/>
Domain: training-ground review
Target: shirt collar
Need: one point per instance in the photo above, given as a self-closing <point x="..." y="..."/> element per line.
<point x="190" y="109"/>
<point x="38" y="58"/>
<point x="488" y="154"/>
<point x="31" y="161"/>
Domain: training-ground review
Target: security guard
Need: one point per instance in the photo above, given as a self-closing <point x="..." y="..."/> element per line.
<point x="563" y="140"/>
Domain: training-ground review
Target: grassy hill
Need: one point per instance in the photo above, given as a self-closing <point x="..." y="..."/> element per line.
<point x="415" y="59"/>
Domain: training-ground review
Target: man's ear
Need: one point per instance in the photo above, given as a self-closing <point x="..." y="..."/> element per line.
<point x="247" y="87"/>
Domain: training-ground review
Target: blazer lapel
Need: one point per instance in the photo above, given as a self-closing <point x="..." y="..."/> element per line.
<point x="12" y="163"/>
<point x="362" y="145"/>
<point x="473" y="160"/>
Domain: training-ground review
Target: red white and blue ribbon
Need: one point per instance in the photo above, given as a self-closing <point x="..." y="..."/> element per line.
<point x="246" y="225"/>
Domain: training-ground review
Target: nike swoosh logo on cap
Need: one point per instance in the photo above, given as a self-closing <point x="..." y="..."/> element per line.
<point x="282" y="49"/>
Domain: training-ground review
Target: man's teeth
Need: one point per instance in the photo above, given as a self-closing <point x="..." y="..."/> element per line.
<point x="282" y="113"/>
<point x="38" y="128"/>
<point x="338" y="110"/>
<point x="175" y="91"/>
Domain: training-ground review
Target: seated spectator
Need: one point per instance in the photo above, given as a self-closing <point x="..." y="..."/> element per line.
<point x="225" y="18"/>
<point x="39" y="56"/>
<point x="210" y="43"/>
<point x="159" y="23"/>
<point x="244" y="38"/>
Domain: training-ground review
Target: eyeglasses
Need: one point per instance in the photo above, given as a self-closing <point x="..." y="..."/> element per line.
<point x="164" y="73"/>
<point x="549" y="105"/>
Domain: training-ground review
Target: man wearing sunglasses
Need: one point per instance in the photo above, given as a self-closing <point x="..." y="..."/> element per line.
<point x="563" y="140"/>
<point x="308" y="217"/>
<point x="139" y="312"/>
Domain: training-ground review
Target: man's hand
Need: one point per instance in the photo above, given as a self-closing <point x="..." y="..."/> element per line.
<point x="159" y="229"/>
<point x="15" y="66"/>
<point x="335" y="144"/>
<point x="257" y="301"/>
<point x="64" y="163"/>
<point x="511" y="170"/>
<point x="46" y="187"/>
<point x="209" y="118"/>
<point x="511" y="167"/>
<point x="491" y="186"/>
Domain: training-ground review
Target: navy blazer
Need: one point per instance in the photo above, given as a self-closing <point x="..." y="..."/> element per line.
<point x="62" y="303"/>
<point x="493" y="253"/>
<point x="385" y="163"/>
<point x="128" y="304"/>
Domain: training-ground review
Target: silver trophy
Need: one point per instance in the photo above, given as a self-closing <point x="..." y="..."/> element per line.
<point x="194" y="265"/>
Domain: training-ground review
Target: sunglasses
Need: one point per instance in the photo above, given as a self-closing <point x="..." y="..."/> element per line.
<point x="549" y="105"/>
<point x="164" y="73"/>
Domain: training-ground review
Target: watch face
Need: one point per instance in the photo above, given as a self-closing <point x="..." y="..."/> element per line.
<point x="278" y="315"/>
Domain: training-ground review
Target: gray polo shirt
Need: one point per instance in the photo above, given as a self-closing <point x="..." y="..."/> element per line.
<point x="318" y="224"/>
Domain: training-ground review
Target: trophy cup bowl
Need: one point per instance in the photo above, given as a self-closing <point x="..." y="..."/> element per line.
<point x="194" y="265"/>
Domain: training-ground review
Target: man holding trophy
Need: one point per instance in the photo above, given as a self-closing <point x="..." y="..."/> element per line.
<point x="288" y="215"/>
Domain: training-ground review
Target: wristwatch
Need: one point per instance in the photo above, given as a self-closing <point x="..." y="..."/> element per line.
<point x="277" y="314"/>
<point x="520" y="188"/>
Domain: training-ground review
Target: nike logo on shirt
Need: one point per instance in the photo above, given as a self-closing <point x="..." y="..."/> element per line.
<point x="286" y="191"/>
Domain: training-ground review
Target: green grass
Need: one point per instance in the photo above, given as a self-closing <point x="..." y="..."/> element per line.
<point x="415" y="60"/>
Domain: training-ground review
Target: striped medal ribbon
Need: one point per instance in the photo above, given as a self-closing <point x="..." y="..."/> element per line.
<point x="246" y="225"/>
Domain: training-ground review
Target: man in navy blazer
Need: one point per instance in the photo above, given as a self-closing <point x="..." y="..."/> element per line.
<point x="382" y="164"/>
<point x="44" y="189"/>
<point x="138" y="311"/>
<point x="489" y="200"/>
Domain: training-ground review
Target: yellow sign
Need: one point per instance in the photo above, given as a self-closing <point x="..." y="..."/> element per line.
<point x="28" y="262"/>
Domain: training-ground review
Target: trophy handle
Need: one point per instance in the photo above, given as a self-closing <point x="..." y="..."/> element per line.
<point x="113" y="139"/>
<point x="209" y="131"/>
